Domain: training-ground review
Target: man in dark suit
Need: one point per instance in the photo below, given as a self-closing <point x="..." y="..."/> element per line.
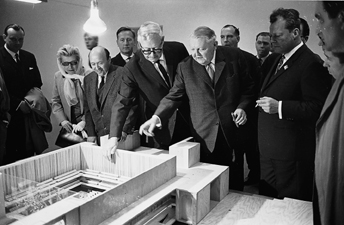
<point x="21" y="74"/>
<point x="291" y="99"/>
<point x="150" y="75"/>
<point x="263" y="46"/>
<point x="101" y="87"/>
<point x="217" y="83"/>
<point x="125" y="42"/>
<point x="247" y="134"/>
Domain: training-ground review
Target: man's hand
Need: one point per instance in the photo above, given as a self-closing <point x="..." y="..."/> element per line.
<point x="124" y="137"/>
<point x="79" y="127"/>
<point x="239" y="117"/>
<point x="148" y="127"/>
<point x="269" y="105"/>
<point x="68" y="126"/>
<point x="111" y="149"/>
<point x="24" y="107"/>
<point x="92" y="139"/>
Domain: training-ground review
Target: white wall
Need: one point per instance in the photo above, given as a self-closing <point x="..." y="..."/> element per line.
<point x="50" y="25"/>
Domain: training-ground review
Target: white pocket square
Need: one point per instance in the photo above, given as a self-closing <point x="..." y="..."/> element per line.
<point x="30" y="68"/>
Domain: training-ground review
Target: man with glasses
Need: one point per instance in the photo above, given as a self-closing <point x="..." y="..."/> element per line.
<point x="147" y="78"/>
<point x="219" y="88"/>
<point x="21" y="74"/>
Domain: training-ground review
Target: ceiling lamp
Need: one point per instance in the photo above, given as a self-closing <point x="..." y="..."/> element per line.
<point x="94" y="25"/>
<point x="32" y="1"/>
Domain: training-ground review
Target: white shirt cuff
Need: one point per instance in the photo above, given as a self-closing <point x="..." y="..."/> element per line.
<point x="280" y="109"/>
<point x="158" y="125"/>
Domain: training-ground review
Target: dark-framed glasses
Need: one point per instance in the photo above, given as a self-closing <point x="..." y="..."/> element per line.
<point x="148" y="51"/>
<point x="73" y="63"/>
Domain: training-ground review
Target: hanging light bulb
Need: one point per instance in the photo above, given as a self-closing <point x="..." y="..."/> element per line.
<point x="94" y="25"/>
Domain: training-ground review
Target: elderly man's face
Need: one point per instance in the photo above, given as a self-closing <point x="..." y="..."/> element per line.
<point x="282" y="40"/>
<point x="14" y="39"/>
<point x="202" y="50"/>
<point x="99" y="63"/>
<point x="152" y="48"/>
<point x="329" y="30"/>
<point x="229" y="38"/>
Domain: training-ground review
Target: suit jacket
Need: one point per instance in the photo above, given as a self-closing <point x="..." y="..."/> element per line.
<point x="211" y="104"/>
<point x="141" y="79"/>
<point x="118" y="60"/>
<point x="19" y="79"/>
<point x="329" y="157"/>
<point x="98" y="118"/>
<point x="302" y="85"/>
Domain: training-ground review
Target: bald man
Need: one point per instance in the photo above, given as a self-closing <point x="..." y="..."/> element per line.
<point x="101" y="87"/>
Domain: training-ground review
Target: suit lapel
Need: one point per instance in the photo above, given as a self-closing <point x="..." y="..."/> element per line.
<point x="169" y="63"/>
<point x="109" y="80"/>
<point x="94" y="88"/>
<point x="331" y="99"/>
<point x="8" y="58"/>
<point x="201" y="72"/>
<point x="286" y="66"/>
<point x="149" y="70"/>
<point x="219" y="65"/>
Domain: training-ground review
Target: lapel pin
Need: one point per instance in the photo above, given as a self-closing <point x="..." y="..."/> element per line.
<point x="285" y="67"/>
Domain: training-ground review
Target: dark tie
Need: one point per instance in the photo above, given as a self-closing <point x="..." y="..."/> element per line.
<point x="17" y="58"/>
<point x="210" y="71"/>
<point x="127" y="60"/>
<point x="164" y="73"/>
<point x="280" y="63"/>
<point x="100" y="89"/>
<point x="101" y="82"/>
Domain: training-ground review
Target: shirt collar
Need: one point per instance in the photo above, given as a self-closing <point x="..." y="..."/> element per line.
<point x="291" y="53"/>
<point x="11" y="53"/>
<point x="125" y="57"/>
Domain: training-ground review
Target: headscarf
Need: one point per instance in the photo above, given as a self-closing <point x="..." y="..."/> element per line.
<point x="73" y="93"/>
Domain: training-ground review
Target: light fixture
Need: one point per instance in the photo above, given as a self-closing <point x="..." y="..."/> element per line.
<point x="94" y="25"/>
<point x="32" y="1"/>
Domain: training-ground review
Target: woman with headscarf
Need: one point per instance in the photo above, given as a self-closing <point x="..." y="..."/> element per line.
<point x="67" y="100"/>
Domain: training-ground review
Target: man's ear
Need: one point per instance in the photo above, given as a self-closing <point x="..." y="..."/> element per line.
<point x="215" y="43"/>
<point x="341" y="19"/>
<point x="4" y="36"/>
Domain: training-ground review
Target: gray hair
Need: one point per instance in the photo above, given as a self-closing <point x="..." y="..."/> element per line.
<point x="68" y="50"/>
<point x="147" y="29"/>
<point x="204" y="32"/>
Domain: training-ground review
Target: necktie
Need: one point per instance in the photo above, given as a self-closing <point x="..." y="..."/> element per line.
<point x="101" y="83"/>
<point x="127" y="60"/>
<point x="280" y="64"/>
<point x="17" y="58"/>
<point x="210" y="71"/>
<point x="164" y="73"/>
<point x="100" y="89"/>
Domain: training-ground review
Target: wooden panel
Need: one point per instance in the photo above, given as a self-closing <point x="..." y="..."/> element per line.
<point x="123" y="195"/>
<point x="219" y="187"/>
<point x="188" y="153"/>
<point x="94" y="158"/>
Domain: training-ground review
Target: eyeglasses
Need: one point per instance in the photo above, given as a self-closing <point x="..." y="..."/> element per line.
<point x="73" y="63"/>
<point x="148" y="51"/>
